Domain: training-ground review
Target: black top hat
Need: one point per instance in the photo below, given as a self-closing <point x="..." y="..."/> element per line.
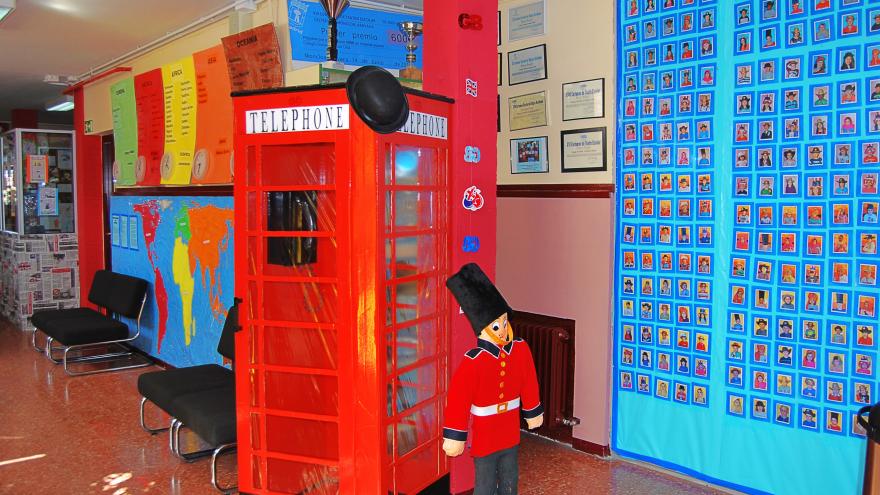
<point x="479" y="298"/>
<point x="378" y="99"/>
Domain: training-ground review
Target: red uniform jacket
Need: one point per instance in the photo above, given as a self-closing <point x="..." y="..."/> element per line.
<point x="488" y="379"/>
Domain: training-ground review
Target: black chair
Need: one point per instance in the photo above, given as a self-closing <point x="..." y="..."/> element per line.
<point x="162" y="387"/>
<point x="79" y="329"/>
<point x="210" y="414"/>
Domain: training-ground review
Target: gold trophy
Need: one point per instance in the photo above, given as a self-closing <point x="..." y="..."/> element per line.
<point x="334" y="9"/>
<point x="412" y="30"/>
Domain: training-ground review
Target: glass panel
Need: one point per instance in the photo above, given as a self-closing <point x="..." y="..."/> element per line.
<point x="416" y="386"/>
<point x="304" y="437"/>
<point x="256" y="473"/>
<point x="253" y="302"/>
<point x="414" y="209"/>
<point x="300" y="477"/>
<point x="304" y="302"/>
<point x="253" y="255"/>
<point x="301" y="347"/>
<point x="415" y="255"/>
<point x="416" y="343"/>
<point x="284" y="253"/>
<point x="414" y="166"/>
<point x="253" y="208"/>
<point x="254" y="386"/>
<point x="416" y="299"/>
<point x="416" y="429"/>
<point x="10" y="192"/>
<point x="46" y="163"/>
<point x="389" y="164"/>
<point x="301" y="211"/>
<point x="255" y="431"/>
<point x="312" y="394"/>
<point x="251" y="165"/>
<point x="299" y="165"/>
<point x="419" y="470"/>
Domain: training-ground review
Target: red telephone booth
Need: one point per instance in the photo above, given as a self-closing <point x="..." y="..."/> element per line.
<point x="341" y="249"/>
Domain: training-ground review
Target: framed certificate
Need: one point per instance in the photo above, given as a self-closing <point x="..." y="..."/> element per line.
<point x="527" y="111"/>
<point x="529" y="155"/>
<point x="527" y="65"/>
<point x="583" y="99"/>
<point x="583" y="150"/>
<point x="526" y="21"/>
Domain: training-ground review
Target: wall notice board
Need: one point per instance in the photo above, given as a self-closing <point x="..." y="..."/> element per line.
<point x="745" y="319"/>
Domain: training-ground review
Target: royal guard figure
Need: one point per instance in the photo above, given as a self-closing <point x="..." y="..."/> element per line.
<point x="495" y="384"/>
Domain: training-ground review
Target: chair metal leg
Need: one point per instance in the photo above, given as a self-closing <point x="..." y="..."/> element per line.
<point x="229" y="447"/>
<point x="151" y="431"/>
<point x="34" y="341"/>
<point x="175" y="442"/>
<point x="66" y="359"/>
<point x="172" y="445"/>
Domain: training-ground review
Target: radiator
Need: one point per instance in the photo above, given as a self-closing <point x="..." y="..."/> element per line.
<point x="552" y="342"/>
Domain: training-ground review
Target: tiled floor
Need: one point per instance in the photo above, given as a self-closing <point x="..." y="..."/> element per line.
<point x="62" y="435"/>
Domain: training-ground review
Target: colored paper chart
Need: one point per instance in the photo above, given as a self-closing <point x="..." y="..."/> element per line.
<point x="125" y="131"/>
<point x="179" y="85"/>
<point x="746" y="293"/>
<point x="150" y="102"/>
<point x="212" y="163"/>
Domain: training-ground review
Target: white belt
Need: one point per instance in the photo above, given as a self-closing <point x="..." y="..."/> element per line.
<point x="495" y="409"/>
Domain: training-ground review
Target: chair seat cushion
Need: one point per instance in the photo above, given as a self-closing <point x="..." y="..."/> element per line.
<point x="162" y="387"/>
<point x="85" y="329"/>
<point x="40" y="318"/>
<point x="210" y="414"/>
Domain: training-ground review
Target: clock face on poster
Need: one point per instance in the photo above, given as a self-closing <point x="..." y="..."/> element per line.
<point x="140" y="168"/>
<point x="201" y="164"/>
<point x="166" y="168"/>
<point x="116" y="170"/>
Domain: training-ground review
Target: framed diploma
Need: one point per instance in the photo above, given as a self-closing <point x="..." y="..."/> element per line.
<point x="583" y="99"/>
<point x="583" y="150"/>
<point x="527" y="111"/>
<point x="527" y="65"/>
<point x="526" y="21"/>
<point x="529" y="155"/>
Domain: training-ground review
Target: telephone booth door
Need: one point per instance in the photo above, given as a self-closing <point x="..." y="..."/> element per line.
<point x="342" y="246"/>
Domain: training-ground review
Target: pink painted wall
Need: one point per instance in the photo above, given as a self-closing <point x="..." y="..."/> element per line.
<point x="554" y="257"/>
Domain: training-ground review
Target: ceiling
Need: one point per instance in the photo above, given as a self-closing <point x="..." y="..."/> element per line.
<point x="70" y="37"/>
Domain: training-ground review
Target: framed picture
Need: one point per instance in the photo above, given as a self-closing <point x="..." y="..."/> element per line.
<point x="499" y="68"/>
<point x="583" y="99"/>
<point x="529" y="155"/>
<point x="499" y="28"/>
<point x="527" y="65"/>
<point x="583" y="150"/>
<point x="526" y="21"/>
<point x="527" y="111"/>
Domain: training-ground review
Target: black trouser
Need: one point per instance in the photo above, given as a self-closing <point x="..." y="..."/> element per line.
<point x="498" y="473"/>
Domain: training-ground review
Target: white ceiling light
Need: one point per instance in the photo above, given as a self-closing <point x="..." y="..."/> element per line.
<point x="57" y="80"/>
<point x="63" y="104"/>
<point x="6" y="8"/>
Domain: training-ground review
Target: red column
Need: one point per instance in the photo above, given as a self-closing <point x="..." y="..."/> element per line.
<point x="89" y="199"/>
<point x="453" y="56"/>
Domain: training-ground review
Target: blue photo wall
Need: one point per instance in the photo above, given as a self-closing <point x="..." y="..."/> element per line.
<point x="183" y="246"/>
<point x="745" y="327"/>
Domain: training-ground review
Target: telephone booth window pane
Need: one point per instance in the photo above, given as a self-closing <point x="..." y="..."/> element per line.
<point x="255" y="431"/>
<point x="415" y="255"/>
<point x="416" y="299"/>
<point x="413" y="472"/>
<point x="299" y="477"/>
<point x="286" y="256"/>
<point x="414" y="209"/>
<point x="302" y="393"/>
<point x="305" y="437"/>
<point x="301" y="347"/>
<point x="301" y="211"/>
<point x="253" y="208"/>
<point x="299" y="164"/>
<point x="414" y="166"/>
<point x="416" y="429"/>
<point x="416" y="342"/>
<point x="304" y="302"/>
<point x="416" y="386"/>
<point x="254" y="386"/>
